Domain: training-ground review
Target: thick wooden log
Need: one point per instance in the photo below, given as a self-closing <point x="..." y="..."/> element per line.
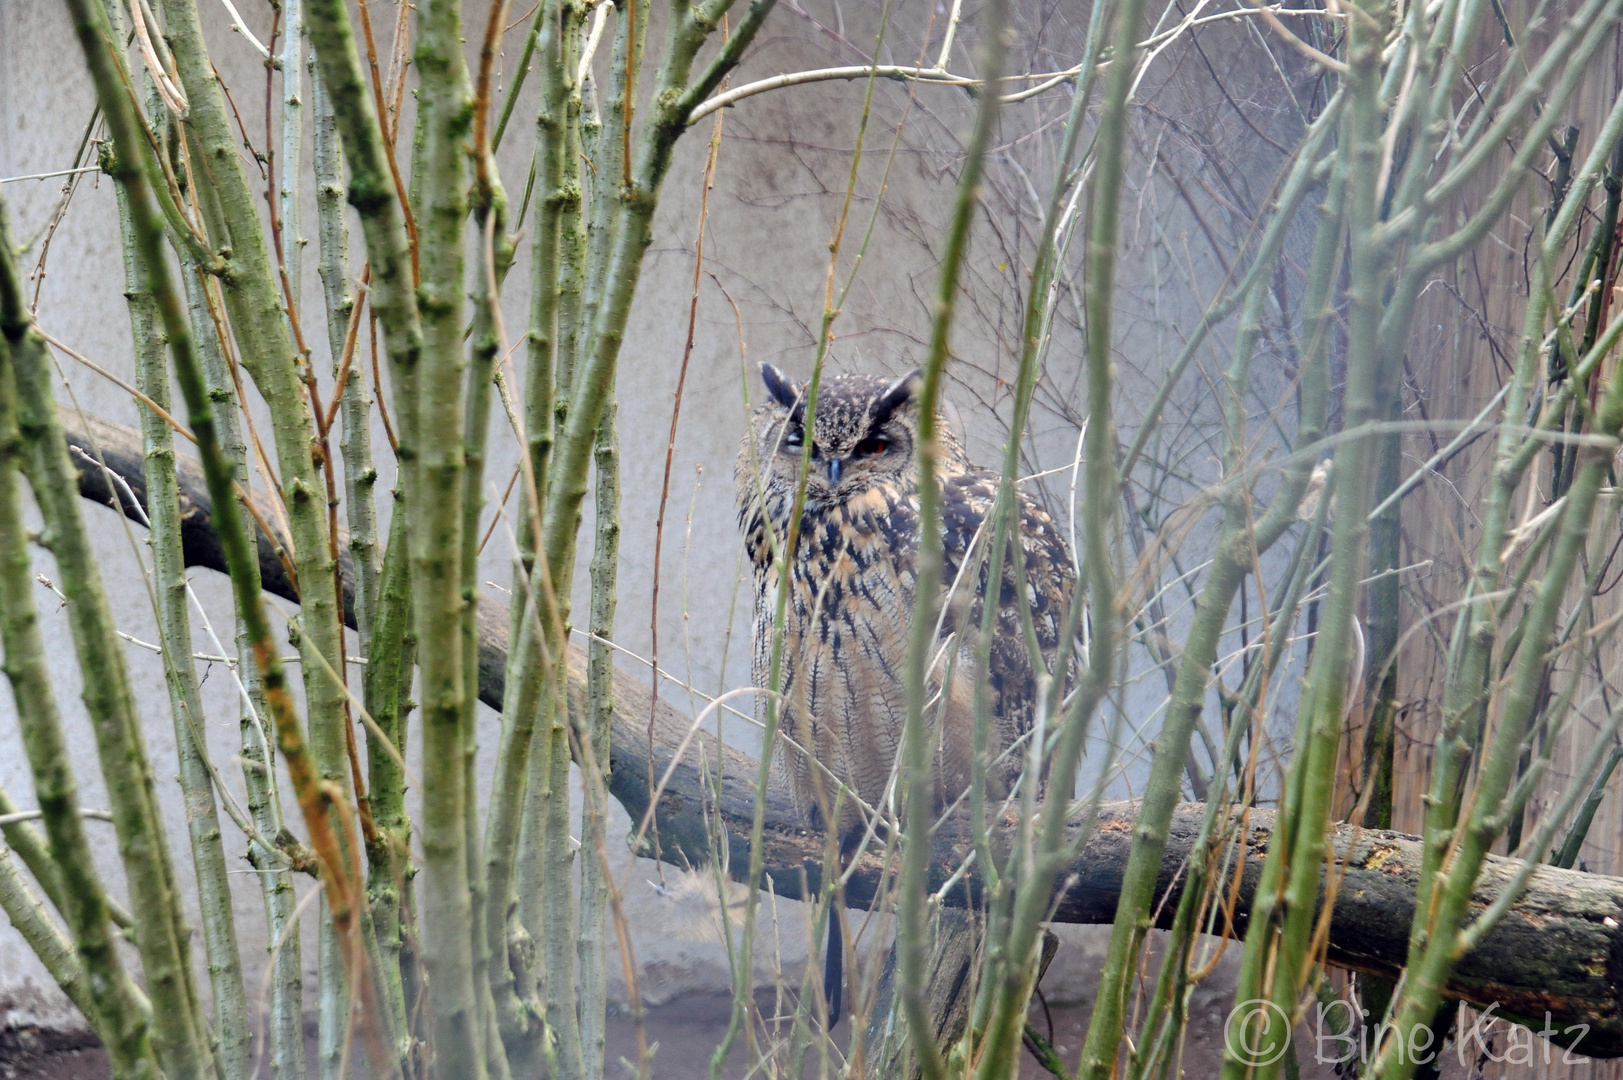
<point x="1556" y="959"/>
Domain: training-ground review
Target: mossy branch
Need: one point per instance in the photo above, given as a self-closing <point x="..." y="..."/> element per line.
<point x="180" y="1031"/>
<point x="316" y="799"/>
<point x="232" y="1030"/>
<point x="122" y="1019"/>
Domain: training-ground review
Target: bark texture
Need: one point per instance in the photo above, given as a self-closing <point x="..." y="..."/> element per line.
<point x="1556" y="959"/>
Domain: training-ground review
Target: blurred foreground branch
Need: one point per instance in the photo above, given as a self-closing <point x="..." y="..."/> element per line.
<point x="1555" y="960"/>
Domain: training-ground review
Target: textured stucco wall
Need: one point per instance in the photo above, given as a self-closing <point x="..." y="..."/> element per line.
<point x="778" y="193"/>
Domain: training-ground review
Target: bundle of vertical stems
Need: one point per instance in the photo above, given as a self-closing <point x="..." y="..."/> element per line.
<point x="455" y="946"/>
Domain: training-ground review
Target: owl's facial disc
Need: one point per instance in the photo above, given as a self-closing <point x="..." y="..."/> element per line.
<point x="861" y="436"/>
<point x="843" y="467"/>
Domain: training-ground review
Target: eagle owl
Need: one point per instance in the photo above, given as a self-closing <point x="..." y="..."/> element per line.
<point x="853" y="588"/>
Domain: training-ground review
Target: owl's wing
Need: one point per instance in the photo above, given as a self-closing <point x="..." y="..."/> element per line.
<point x="968" y="499"/>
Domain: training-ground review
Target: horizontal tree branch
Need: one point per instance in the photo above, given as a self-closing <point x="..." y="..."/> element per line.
<point x="1556" y="960"/>
<point x="940" y="76"/>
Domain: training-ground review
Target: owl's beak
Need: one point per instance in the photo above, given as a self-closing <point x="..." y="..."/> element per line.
<point x="834" y="466"/>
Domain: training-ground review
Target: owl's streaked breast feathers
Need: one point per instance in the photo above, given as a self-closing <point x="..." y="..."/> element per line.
<point x="853" y="589"/>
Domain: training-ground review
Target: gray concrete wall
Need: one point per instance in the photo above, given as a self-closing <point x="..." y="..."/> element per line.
<point x="778" y="194"/>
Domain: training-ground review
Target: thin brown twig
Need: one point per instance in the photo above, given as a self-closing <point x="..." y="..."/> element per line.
<point x="670" y="440"/>
<point x="350" y="337"/>
<point x="389" y="132"/>
<point x="363" y="801"/>
<point x="166" y="167"/>
<point x="631" y="91"/>
<point x="190" y="194"/>
<point x="482" y="158"/>
<point x="69" y="186"/>
<point x="500" y="506"/>
<point x="242" y="127"/>
<point x="521" y="20"/>
<point x="377" y="386"/>
<point x="162" y="413"/>
<point x="173" y="96"/>
<point x="216" y="305"/>
<point x="531" y="486"/>
<point x="397" y="67"/>
<point x="278" y="539"/>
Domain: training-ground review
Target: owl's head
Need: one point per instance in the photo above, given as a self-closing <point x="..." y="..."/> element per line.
<point x="863" y="433"/>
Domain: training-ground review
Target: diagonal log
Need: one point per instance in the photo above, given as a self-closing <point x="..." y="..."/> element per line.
<point x="1555" y="960"/>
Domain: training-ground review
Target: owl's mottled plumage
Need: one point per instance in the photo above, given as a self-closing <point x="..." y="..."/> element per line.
<point x="853" y="590"/>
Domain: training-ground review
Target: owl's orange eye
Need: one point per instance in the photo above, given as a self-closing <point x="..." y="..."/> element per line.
<point x="873" y="444"/>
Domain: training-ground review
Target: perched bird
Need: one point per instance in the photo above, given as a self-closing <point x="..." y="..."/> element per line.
<point x="852" y="591"/>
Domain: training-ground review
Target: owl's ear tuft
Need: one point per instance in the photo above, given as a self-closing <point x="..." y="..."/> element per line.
<point x="780" y="386"/>
<point x="899" y="393"/>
